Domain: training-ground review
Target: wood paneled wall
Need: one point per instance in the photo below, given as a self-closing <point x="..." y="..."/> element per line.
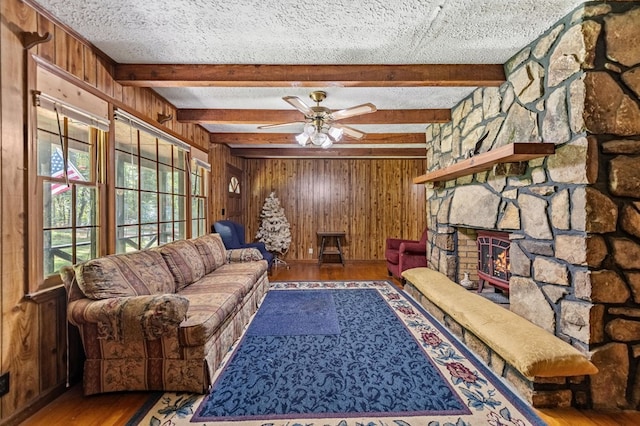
<point x="219" y="157"/>
<point x="33" y="332"/>
<point x="369" y="199"/>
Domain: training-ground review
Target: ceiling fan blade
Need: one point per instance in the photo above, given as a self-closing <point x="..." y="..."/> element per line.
<point x="271" y="126"/>
<point x="349" y="131"/>
<point x="297" y="103"/>
<point x="353" y="111"/>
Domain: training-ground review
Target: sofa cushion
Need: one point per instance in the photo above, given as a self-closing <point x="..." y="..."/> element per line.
<point x="245" y="274"/>
<point x="210" y="304"/>
<point x="211" y="250"/>
<point x="134" y="274"/>
<point x="530" y="349"/>
<point x="184" y="262"/>
<point x="243" y="255"/>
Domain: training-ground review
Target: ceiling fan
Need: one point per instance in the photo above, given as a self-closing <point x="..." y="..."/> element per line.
<point x="320" y="127"/>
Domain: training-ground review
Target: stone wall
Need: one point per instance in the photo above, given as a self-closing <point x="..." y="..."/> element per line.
<point x="573" y="217"/>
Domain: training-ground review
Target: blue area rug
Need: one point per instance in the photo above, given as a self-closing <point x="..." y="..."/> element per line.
<point x="385" y="362"/>
<point x="293" y="313"/>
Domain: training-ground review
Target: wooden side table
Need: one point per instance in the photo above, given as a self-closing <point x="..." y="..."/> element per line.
<point x="326" y="236"/>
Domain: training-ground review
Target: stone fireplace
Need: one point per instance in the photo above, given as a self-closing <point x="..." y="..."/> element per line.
<point x="573" y="217"/>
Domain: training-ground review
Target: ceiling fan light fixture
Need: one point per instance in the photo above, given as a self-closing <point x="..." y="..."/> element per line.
<point x="335" y="133"/>
<point x="310" y="129"/>
<point x="327" y="143"/>
<point x="319" y="139"/>
<point x="302" y="139"/>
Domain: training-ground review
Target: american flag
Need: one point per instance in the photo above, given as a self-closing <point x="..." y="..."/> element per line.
<point x="57" y="170"/>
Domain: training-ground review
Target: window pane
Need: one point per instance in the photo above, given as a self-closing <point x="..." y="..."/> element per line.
<point x="194" y="208"/>
<point x="148" y="146"/>
<point x="57" y="250"/>
<point x="79" y="163"/>
<point x="149" y="236"/>
<point x="47" y="120"/>
<point x="126" y="138"/>
<point x="126" y="170"/>
<point x="178" y="182"/>
<point x="195" y="184"/>
<point x="78" y="131"/>
<point x="48" y="143"/>
<point x="148" y="175"/>
<point x="179" y="159"/>
<point x="166" y="207"/>
<point x="166" y="232"/>
<point x="179" y="230"/>
<point x="234" y="185"/>
<point x="128" y="239"/>
<point x="126" y="207"/>
<point x="179" y="203"/>
<point x="148" y="207"/>
<point x="166" y="178"/>
<point x="165" y="152"/>
<point x="57" y="209"/>
<point x="86" y="244"/>
<point x="86" y="206"/>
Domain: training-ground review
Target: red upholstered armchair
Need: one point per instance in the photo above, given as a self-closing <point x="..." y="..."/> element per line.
<point x="405" y="254"/>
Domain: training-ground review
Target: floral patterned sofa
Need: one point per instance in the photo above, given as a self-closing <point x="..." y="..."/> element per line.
<point x="162" y="318"/>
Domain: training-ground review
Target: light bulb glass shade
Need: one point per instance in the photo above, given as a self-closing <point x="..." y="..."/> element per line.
<point x="303" y="139"/>
<point x="319" y="138"/>
<point x="309" y="129"/>
<point x="327" y="143"/>
<point x="335" y="133"/>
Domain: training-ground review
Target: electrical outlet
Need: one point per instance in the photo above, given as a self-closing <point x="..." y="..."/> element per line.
<point x="4" y="384"/>
<point x="310" y="250"/>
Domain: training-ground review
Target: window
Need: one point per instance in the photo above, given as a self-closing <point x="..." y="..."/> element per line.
<point x="68" y="157"/>
<point x="234" y="185"/>
<point x="199" y="190"/>
<point x="151" y="189"/>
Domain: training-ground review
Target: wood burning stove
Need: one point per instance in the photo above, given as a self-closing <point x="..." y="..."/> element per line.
<point x="493" y="259"/>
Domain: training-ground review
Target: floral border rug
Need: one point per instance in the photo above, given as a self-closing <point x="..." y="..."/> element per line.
<point x="484" y="397"/>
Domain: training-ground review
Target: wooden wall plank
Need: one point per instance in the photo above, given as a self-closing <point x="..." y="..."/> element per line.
<point x="90" y="71"/>
<point x="19" y="329"/>
<point x="46" y="50"/>
<point x="366" y="198"/>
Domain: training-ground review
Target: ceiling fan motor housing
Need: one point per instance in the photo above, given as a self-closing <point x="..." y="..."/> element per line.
<point x="318" y="96"/>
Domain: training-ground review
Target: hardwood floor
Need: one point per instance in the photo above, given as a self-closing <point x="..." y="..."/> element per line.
<point x="72" y="408"/>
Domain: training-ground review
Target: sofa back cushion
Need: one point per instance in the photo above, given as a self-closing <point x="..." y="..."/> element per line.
<point x="184" y="262"/>
<point x="211" y="250"/>
<point x="120" y="275"/>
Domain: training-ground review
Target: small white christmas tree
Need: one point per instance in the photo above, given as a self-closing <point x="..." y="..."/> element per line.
<point x="274" y="230"/>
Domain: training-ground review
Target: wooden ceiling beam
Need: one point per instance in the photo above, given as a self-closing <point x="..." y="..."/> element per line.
<point x="335" y="151"/>
<point x="203" y="75"/>
<point x="255" y="116"/>
<point x="284" y="138"/>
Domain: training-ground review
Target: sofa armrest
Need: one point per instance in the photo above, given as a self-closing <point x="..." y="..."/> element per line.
<point x="413" y="248"/>
<point x="393" y="243"/>
<point x="131" y="318"/>
<point x="243" y="255"/>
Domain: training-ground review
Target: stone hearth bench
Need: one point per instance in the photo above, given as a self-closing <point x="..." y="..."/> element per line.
<point x="545" y="370"/>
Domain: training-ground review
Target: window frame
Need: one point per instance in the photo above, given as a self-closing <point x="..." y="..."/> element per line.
<point x="140" y="129"/>
<point x="78" y="102"/>
<point x="201" y="180"/>
<point x="85" y="98"/>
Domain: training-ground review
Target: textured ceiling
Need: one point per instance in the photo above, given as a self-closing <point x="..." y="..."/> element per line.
<point x="310" y="33"/>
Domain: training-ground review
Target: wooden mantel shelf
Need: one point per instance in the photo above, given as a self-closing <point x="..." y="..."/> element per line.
<point x="512" y="153"/>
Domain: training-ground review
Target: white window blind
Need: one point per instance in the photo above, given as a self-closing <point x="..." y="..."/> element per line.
<point x="49" y="102"/>
<point x="148" y="128"/>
